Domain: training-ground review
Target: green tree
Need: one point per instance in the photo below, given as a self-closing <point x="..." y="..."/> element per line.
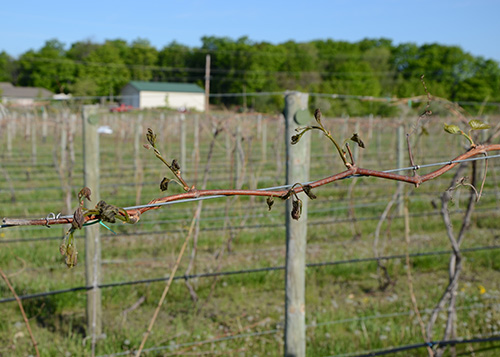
<point x="298" y="69"/>
<point x="174" y="62"/>
<point x="141" y="57"/>
<point x="106" y="68"/>
<point x="80" y="50"/>
<point x="7" y="67"/>
<point x="48" y="68"/>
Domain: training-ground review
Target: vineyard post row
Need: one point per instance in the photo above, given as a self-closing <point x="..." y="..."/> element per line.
<point x="298" y="158"/>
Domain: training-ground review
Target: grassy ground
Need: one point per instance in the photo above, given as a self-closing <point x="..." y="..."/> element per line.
<point x="347" y="311"/>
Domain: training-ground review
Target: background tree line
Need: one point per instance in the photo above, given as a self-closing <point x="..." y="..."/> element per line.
<point x="371" y="67"/>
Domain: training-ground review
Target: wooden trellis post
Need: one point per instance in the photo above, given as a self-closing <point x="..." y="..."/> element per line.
<point x="92" y="236"/>
<point x="297" y="170"/>
<point x="401" y="141"/>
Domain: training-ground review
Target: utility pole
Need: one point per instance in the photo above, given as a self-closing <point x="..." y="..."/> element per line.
<point x="297" y="170"/>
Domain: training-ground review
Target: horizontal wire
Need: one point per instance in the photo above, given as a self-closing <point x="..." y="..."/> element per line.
<point x="399" y="314"/>
<point x="267" y="332"/>
<point x="189" y="344"/>
<point x="431" y="344"/>
<point x="246" y="271"/>
<point x="255" y="226"/>
<point x="442" y="163"/>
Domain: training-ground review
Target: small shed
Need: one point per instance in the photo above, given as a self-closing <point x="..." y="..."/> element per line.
<point x="141" y="94"/>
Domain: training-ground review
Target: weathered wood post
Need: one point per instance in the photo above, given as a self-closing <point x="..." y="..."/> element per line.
<point x="32" y="124"/>
<point x="138" y="170"/>
<point x="92" y="236"/>
<point x="297" y="170"/>
<point x="182" y="161"/>
<point x="196" y="147"/>
<point x="44" y="124"/>
<point x="401" y="141"/>
<point x="10" y="132"/>
<point x="238" y="159"/>
<point x="264" y="138"/>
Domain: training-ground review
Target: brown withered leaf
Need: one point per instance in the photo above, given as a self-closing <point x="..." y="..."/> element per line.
<point x="164" y="184"/>
<point x="317" y="116"/>
<point x="355" y="137"/>
<point x="107" y="212"/>
<point x="78" y="219"/>
<point x="151" y="136"/>
<point x="84" y="192"/>
<point x="270" y="202"/>
<point x="308" y="192"/>
<point x="175" y="165"/>
<point x="296" y="209"/>
<point x="287" y="195"/>
<point x="295" y="139"/>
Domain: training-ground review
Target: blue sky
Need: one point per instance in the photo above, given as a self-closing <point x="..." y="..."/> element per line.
<point x="473" y="25"/>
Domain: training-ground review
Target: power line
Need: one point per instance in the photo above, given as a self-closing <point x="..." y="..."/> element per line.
<point x="247" y="271"/>
<point x="200" y="70"/>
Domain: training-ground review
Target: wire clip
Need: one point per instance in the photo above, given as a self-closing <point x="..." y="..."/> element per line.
<point x="49" y="216"/>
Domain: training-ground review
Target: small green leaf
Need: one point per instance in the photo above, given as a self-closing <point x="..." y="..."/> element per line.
<point x="164" y="184"/>
<point x="71" y="256"/>
<point x="355" y="137"/>
<point x="476" y="124"/>
<point x="452" y="129"/>
<point x="62" y="248"/>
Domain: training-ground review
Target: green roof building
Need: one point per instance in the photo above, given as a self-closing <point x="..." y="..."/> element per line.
<point x="141" y="94"/>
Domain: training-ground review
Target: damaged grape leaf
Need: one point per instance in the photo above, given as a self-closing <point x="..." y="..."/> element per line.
<point x="164" y="184"/>
<point x="78" y="219"/>
<point x="296" y="209"/>
<point x="151" y="136"/>
<point x="270" y="202"/>
<point x="355" y="137"/>
<point x="308" y="192"/>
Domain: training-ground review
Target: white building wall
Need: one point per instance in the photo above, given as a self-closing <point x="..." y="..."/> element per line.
<point x="23" y="102"/>
<point x="187" y="100"/>
<point x="152" y="99"/>
<point x="173" y="100"/>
